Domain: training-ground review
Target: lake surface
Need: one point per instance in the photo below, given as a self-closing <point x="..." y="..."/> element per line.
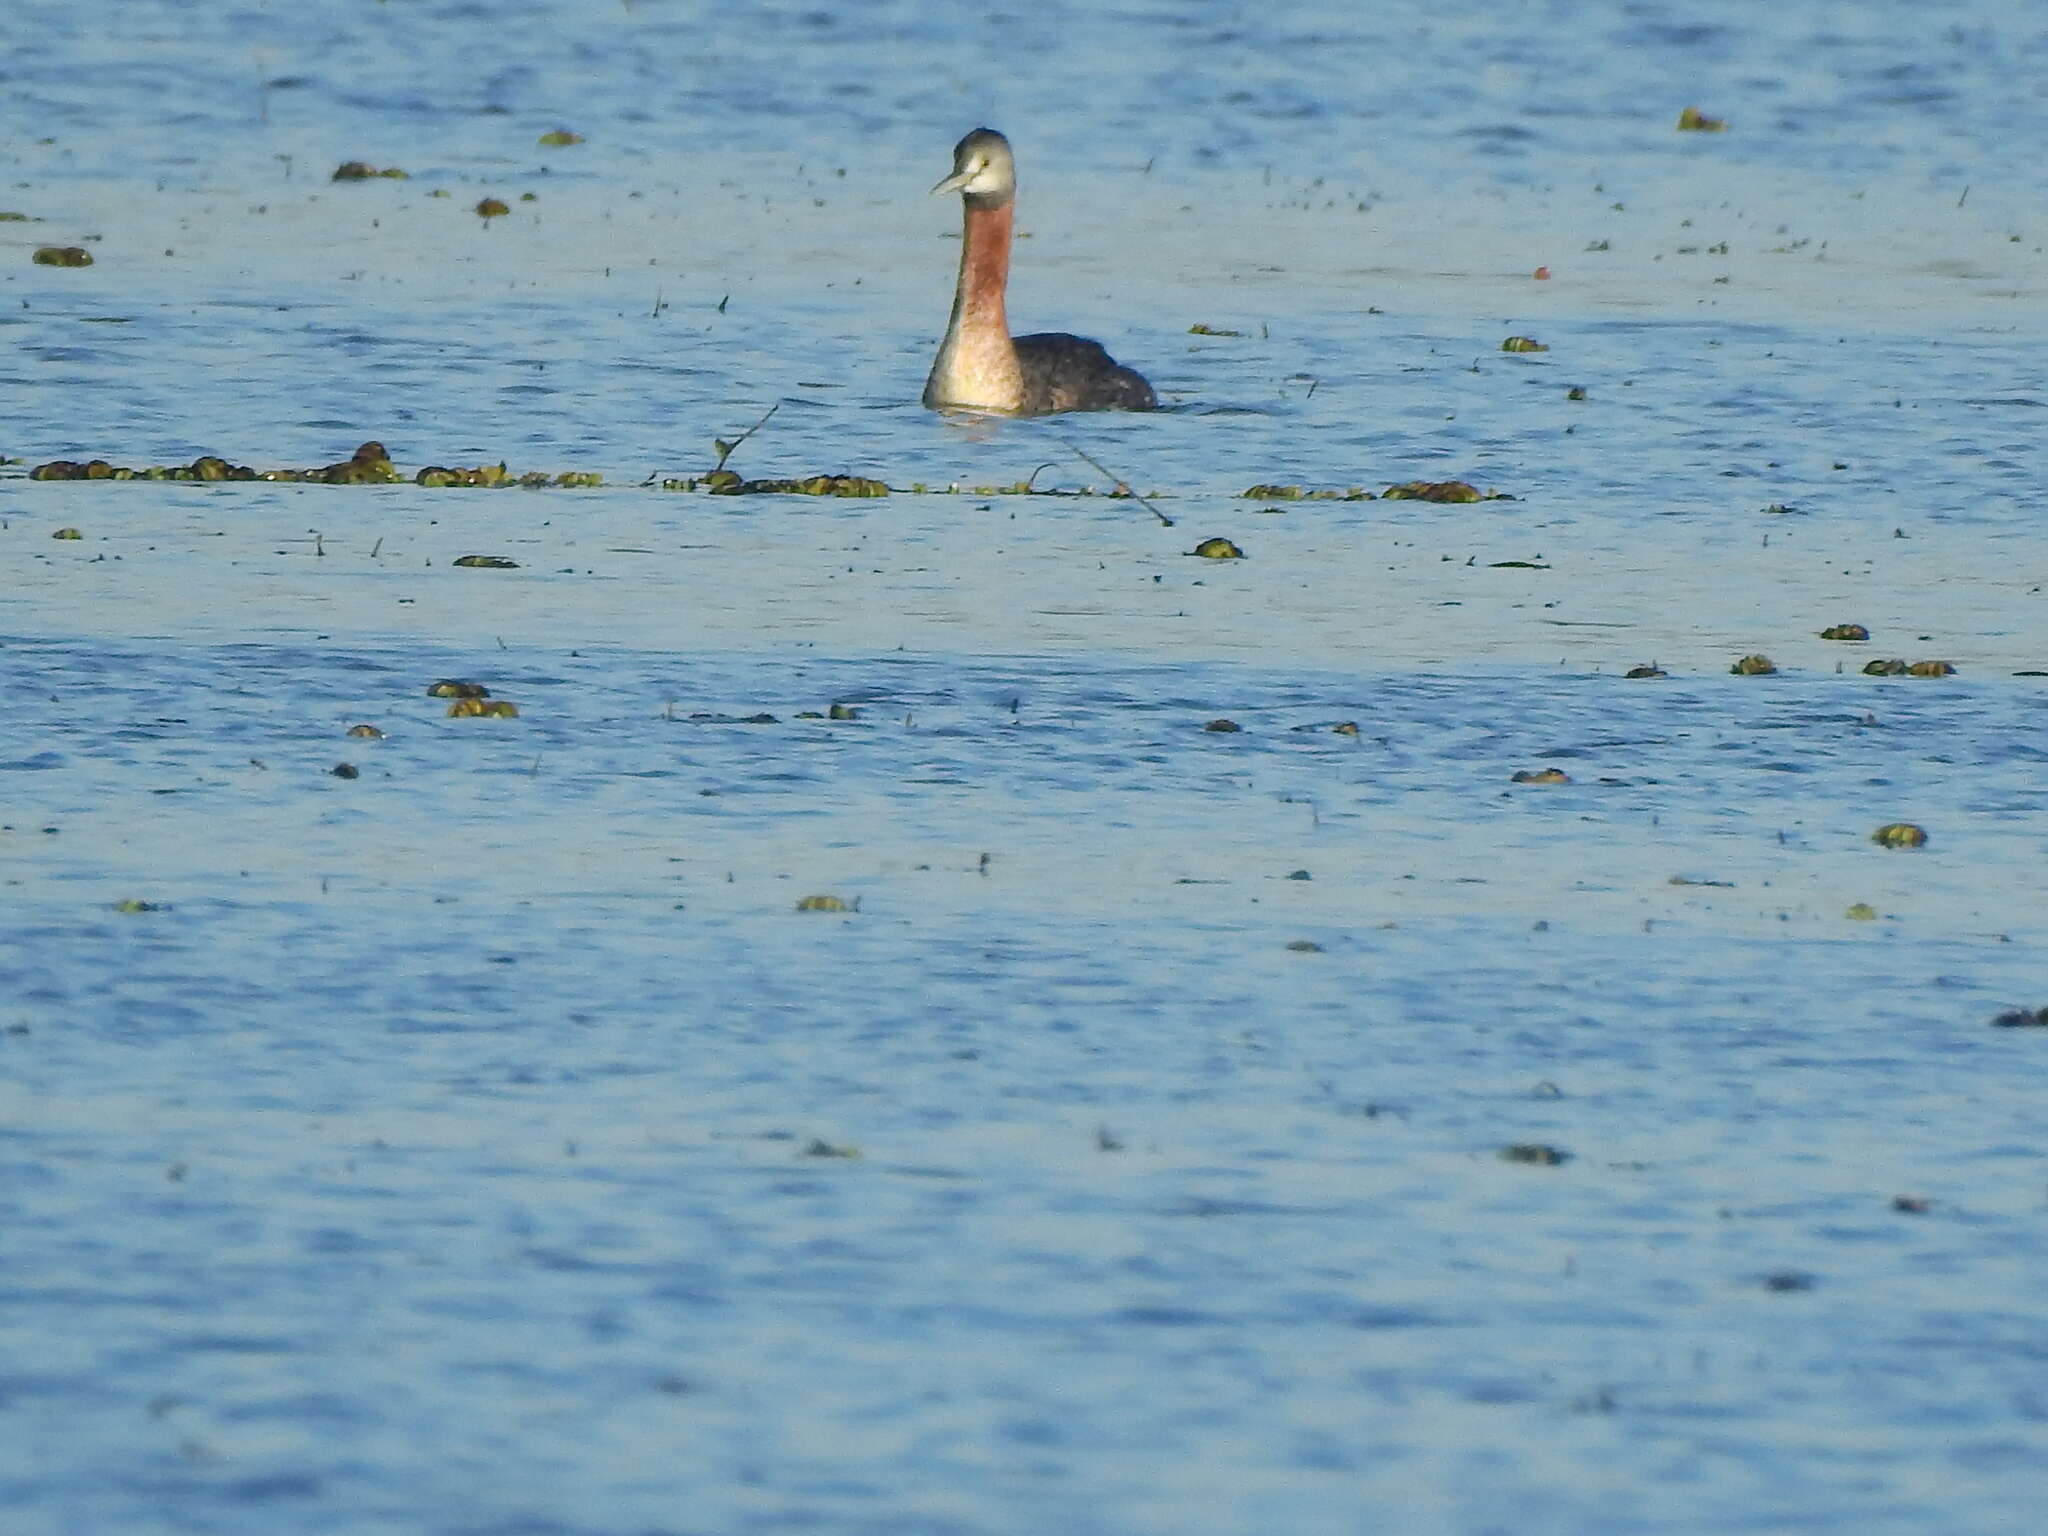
<point x="1165" y="1128"/>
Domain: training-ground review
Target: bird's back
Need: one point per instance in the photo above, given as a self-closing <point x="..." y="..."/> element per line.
<point x="1072" y="373"/>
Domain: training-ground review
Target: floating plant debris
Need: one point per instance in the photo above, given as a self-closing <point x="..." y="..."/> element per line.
<point x="823" y="904"/>
<point x="1755" y="665"/>
<point x="1217" y="549"/>
<point x="2022" y="1018"/>
<point x="492" y="208"/>
<point x="1576" y="392"/>
<point x="456" y="688"/>
<point x="370" y="464"/>
<point x="820" y="1148"/>
<point x="1900" y="834"/>
<point x="560" y="138"/>
<point x="485" y="563"/>
<point x="67" y="533"/>
<point x="1304" y="946"/>
<point x="1692" y="120"/>
<point x="497" y="477"/>
<point x="1210" y="330"/>
<point x="723" y="482"/>
<point x="1861" y="912"/>
<point x="1536" y="1154"/>
<point x="131" y="905"/>
<point x="1439" y="490"/>
<point x="1540" y="776"/>
<point x="1845" y="632"/>
<point x="357" y="170"/>
<point x="1303" y="493"/>
<point x="62" y="256"/>
<point x="1524" y="344"/>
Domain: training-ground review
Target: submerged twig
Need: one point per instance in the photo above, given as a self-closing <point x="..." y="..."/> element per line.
<point x="726" y="450"/>
<point x="1115" y="480"/>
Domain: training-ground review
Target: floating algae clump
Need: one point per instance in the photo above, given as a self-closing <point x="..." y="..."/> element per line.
<point x="1437" y="490"/>
<point x="723" y="482"/>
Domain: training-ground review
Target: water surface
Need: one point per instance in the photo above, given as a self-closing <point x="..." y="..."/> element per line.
<point x="462" y="1146"/>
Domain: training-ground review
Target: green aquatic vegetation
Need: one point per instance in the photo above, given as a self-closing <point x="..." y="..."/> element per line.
<point x="1536" y="1154"/>
<point x="357" y="170"/>
<point x="62" y="256"/>
<point x="370" y="464"/>
<point x="723" y="482"/>
<point x="1454" y="491"/>
<point x="1692" y="120"/>
<point x="1900" y="834"/>
<point x="560" y="138"/>
<point x="1524" y="344"/>
<point x="818" y="1147"/>
<point x="485" y="563"/>
<point x="1271" y="492"/>
<point x="483" y="709"/>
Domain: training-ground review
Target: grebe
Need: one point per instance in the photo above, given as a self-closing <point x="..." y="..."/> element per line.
<point x="980" y="367"/>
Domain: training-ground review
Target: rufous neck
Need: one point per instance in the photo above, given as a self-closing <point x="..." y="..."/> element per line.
<point x="984" y="263"/>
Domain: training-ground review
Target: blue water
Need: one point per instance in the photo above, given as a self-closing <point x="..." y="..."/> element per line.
<point x="486" y="1143"/>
